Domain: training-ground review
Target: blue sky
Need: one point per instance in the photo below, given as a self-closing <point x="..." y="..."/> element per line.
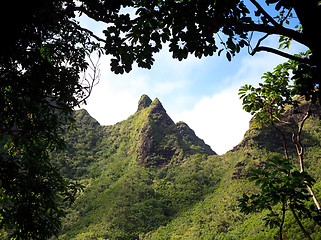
<point x="200" y="92"/>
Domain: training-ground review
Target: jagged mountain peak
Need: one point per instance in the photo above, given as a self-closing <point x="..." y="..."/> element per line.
<point x="189" y="136"/>
<point x="156" y="103"/>
<point x="161" y="141"/>
<point x="144" y="102"/>
<point x="82" y="116"/>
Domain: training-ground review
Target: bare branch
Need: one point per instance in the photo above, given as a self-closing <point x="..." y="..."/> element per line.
<point x="265" y="14"/>
<point x="279" y="30"/>
<point x="298" y="143"/>
<point x="87" y="31"/>
<point x="280" y="53"/>
<point x="92" y="81"/>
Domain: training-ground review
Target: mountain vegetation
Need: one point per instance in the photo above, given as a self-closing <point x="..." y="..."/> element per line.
<point x="149" y="178"/>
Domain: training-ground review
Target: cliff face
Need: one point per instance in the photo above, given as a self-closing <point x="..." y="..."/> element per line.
<point x="161" y="141"/>
<point x="271" y="139"/>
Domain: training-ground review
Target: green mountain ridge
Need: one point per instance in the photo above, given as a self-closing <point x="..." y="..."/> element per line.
<point x="149" y="178"/>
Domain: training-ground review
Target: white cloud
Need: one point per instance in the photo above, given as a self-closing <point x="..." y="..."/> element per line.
<point x="219" y="119"/>
<point x="115" y="97"/>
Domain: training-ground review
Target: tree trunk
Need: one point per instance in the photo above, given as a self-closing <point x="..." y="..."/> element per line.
<point x="307" y="235"/>
<point x="309" y="14"/>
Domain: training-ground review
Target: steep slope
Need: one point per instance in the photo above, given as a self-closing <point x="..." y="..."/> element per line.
<point x="83" y="146"/>
<point x="138" y="174"/>
<point x="271" y="139"/>
<point x="161" y="140"/>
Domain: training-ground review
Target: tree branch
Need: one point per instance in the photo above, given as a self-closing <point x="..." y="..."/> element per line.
<point x="92" y="16"/>
<point x="279" y="30"/>
<point x="93" y="80"/>
<point x="87" y="31"/>
<point x="280" y="53"/>
<point x="298" y="143"/>
<point x="287" y="15"/>
<point x="265" y="14"/>
<point x="257" y="44"/>
<point x="307" y="235"/>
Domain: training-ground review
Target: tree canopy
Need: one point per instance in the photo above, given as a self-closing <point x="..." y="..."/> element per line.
<point x="40" y="62"/>
<point x="206" y="27"/>
<point x="44" y="53"/>
<point x="203" y="27"/>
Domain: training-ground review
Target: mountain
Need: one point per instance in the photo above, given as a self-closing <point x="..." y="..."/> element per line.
<point x="135" y="172"/>
<point x="149" y="178"/>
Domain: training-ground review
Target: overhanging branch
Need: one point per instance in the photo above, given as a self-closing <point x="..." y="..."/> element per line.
<point x="280" y="53"/>
<point x="265" y="14"/>
<point x="92" y="16"/>
<point x="87" y="31"/>
<point x="279" y="30"/>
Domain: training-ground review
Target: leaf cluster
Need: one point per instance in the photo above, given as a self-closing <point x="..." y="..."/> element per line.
<point x="188" y="26"/>
<point x="279" y="184"/>
<point x="268" y="102"/>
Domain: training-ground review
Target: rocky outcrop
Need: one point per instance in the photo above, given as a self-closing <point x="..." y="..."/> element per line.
<point x="146" y="144"/>
<point x="144" y="102"/>
<point x="161" y="141"/>
<point x="189" y="136"/>
<point x="271" y="139"/>
<point x="158" y="141"/>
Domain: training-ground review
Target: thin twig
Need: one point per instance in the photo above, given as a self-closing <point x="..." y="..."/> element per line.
<point x="287" y="15"/>
<point x="93" y="80"/>
<point x="253" y="50"/>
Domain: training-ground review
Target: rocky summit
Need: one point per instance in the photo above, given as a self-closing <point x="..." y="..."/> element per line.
<point x="144" y="102"/>
<point x="161" y="140"/>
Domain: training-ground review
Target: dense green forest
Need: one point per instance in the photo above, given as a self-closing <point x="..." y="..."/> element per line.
<point x="149" y="178"/>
